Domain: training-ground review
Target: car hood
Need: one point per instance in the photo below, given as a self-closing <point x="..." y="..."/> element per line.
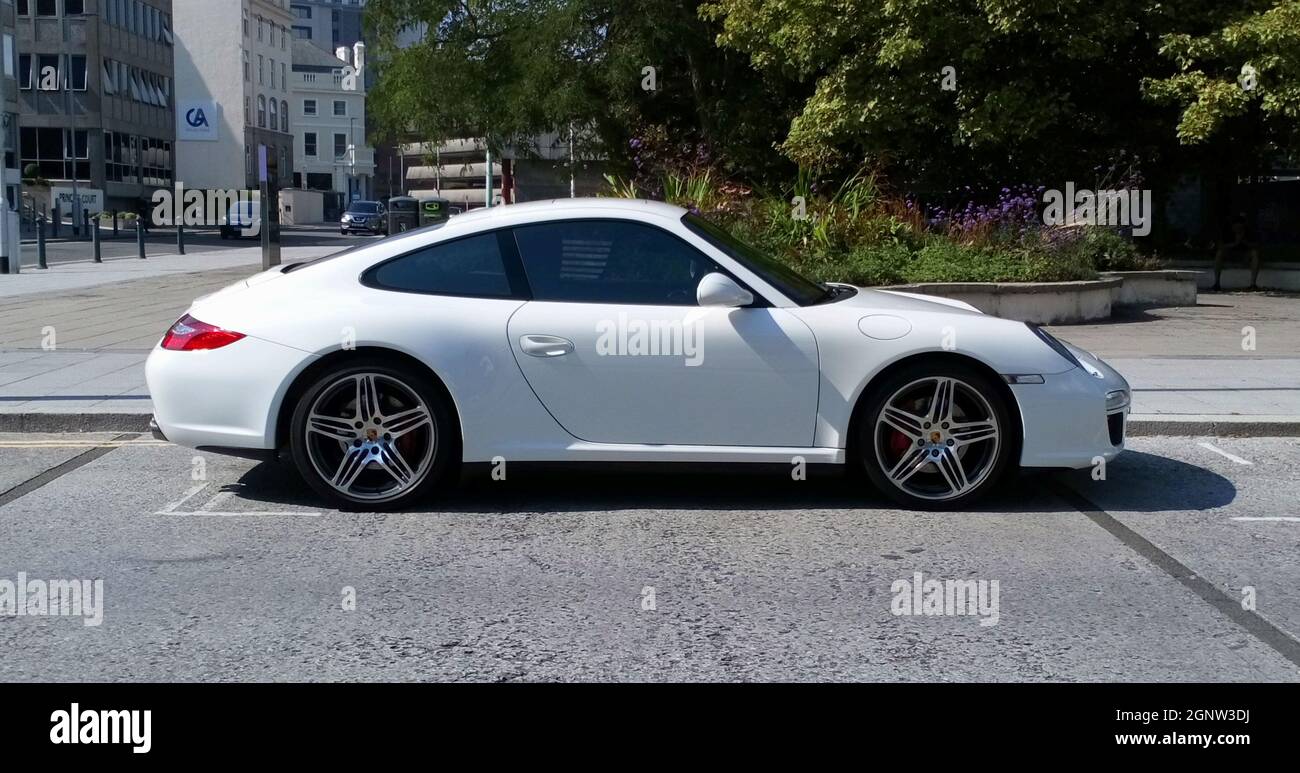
<point x="895" y="300"/>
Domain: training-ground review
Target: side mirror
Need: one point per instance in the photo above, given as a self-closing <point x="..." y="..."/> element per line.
<point x="719" y="290"/>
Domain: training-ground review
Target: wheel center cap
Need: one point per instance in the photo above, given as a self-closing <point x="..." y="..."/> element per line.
<point x="372" y="434"/>
<point x="935" y="437"/>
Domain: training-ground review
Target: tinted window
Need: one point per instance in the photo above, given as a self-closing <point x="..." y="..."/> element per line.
<point x="610" y="261"/>
<point x="363" y="206"/>
<point x="471" y="266"/>
<point x="797" y="288"/>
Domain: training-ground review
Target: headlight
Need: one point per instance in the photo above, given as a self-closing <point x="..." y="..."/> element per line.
<point x="1116" y="400"/>
<point x="346" y="217"/>
<point x="1056" y="345"/>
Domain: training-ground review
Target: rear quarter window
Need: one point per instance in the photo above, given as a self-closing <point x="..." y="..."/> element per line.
<point x="473" y="266"/>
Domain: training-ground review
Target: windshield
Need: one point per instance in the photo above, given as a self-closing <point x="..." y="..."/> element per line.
<point x="793" y="285"/>
<point x="364" y="207"/>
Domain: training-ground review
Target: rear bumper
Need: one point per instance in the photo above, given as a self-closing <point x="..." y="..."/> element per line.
<point x="222" y="398"/>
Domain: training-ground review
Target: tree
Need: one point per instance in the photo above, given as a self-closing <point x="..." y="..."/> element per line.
<point x="512" y="70"/>
<point x="1247" y="69"/>
<point x="975" y="91"/>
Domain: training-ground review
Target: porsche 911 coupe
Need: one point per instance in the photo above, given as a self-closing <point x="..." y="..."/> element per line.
<point x="608" y="330"/>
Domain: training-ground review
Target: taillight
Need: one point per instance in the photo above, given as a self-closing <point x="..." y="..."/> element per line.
<point x="189" y="334"/>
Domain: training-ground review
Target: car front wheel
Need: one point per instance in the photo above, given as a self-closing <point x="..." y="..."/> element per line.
<point x="372" y="436"/>
<point x="936" y="436"/>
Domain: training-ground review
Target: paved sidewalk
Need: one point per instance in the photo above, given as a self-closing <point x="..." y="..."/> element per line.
<point x="1229" y="365"/>
<point x="1189" y="369"/>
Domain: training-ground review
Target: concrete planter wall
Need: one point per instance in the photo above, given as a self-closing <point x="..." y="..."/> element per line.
<point x="1154" y="288"/>
<point x="1273" y="275"/>
<point x="1039" y="302"/>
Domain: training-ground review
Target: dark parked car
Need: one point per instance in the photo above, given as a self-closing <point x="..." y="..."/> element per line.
<point x="366" y="217"/>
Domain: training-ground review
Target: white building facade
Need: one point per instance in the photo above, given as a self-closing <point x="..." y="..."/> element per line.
<point x="327" y="112"/>
<point x="233" y="63"/>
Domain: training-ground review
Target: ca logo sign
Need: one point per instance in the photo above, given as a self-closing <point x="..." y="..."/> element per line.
<point x="195" y="117"/>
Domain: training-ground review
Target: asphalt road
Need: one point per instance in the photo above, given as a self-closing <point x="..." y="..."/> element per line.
<point x="163" y="242"/>
<point x="241" y="575"/>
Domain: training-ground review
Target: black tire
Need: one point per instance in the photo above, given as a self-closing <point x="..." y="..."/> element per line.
<point x="444" y="433"/>
<point x="984" y="460"/>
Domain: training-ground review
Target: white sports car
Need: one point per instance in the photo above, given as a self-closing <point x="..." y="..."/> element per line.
<point x="612" y="330"/>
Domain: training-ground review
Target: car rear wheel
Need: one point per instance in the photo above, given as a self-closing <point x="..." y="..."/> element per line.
<point x="372" y="436"/>
<point x="935" y="436"/>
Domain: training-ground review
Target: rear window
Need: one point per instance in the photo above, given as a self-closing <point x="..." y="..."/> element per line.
<point x="472" y="266"/>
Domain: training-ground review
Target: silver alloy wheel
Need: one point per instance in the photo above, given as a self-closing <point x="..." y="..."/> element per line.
<point x="937" y="438"/>
<point x="370" y="436"/>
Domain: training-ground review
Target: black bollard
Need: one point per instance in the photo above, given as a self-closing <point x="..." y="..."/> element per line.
<point x="57" y="221"/>
<point x="180" y="236"/>
<point x="139" y="237"/>
<point x="40" y="243"/>
<point x="94" y="238"/>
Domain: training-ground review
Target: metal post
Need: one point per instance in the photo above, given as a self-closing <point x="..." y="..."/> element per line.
<point x="58" y="219"/>
<point x="139" y="237"/>
<point x="180" y="236"/>
<point x="487" y="154"/>
<point x="115" y="224"/>
<point x="40" y="243"/>
<point x="85" y="220"/>
<point x="94" y="238"/>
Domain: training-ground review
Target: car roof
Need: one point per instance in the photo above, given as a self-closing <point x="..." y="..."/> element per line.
<point x="578" y="206"/>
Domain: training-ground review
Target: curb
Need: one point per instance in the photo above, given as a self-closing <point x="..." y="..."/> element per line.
<point x="1148" y="425"/>
<point x="1139" y="425"/>
<point x="74" y="422"/>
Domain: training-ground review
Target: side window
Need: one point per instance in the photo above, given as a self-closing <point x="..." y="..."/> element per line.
<point x="470" y="266"/>
<point x="610" y="261"/>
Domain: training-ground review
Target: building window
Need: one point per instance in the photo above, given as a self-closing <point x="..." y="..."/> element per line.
<point x="47" y="72"/>
<point x="275" y="114"/>
<point x="302" y="33"/>
<point x="23" y="10"/>
<point x="340" y="145"/>
<point x="261" y="111"/>
<point x="74" y="7"/>
<point x="261" y="70"/>
<point x="248" y="114"/>
<point x="260" y="31"/>
<point x="284" y="76"/>
<point x="155" y="158"/>
<point x="272" y="73"/>
<point x="24" y="71"/>
<point x="309" y="144"/>
<point x="309" y="107"/>
<point x="245" y="22"/>
<point x="284" y="116"/>
<point x="302" y="11"/>
<point x="120" y="159"/>
<point x="340" y="107"/>
<point x="58" y="154"/>
<point x="77" y="72"/>
<point x="248" y="68"/>
<point x="47" y="8"/>
<point x="273" y="26"/>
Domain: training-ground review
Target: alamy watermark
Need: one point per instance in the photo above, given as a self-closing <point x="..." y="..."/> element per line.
<point x="1130" y="207"/>
<point x="53" y="598"/>
<point x="208" y="207"/>
<point x="627" y="336"/>
<point x="920" y="596"/>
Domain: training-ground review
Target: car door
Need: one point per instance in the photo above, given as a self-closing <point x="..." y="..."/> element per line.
<point x="616" y="348"/>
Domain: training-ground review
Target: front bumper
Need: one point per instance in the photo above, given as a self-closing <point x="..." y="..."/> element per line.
<point x="1075" y="417"/>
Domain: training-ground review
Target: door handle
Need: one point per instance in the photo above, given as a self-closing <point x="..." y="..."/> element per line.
<point x="545" y="346"/>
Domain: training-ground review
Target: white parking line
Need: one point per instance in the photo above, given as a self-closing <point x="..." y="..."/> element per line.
<point x="221" y="497"/>
<point x="1221" y="452"/>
